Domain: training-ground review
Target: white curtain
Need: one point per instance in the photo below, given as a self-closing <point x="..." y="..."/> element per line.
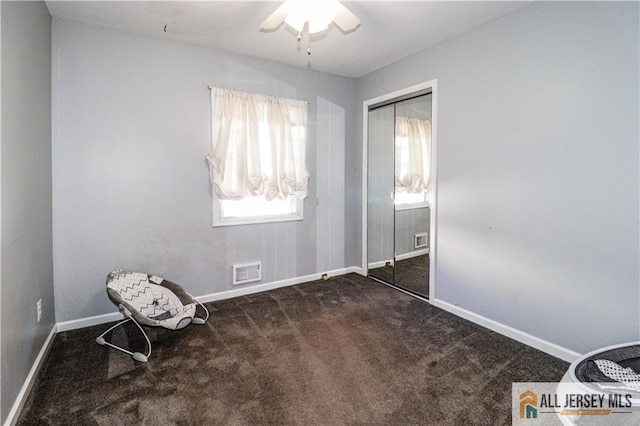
<point x="258" y="145"/>
<point x="413" y="155"/>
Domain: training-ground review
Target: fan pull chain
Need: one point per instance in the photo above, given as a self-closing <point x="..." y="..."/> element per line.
<point x="299" y="38"/>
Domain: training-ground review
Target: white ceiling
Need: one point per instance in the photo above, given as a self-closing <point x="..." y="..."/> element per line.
<point x="390" y="30"/>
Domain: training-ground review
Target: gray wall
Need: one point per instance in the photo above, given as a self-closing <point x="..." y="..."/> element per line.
<point x="131" y="186"/>
<point x="407" y="224"/>
<point x="26" y="254"/>
<point x="537" y="202"/>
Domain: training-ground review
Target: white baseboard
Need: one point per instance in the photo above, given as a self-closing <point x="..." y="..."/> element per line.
<point x="403" y="256"/>
<point x="411" y="254"/>
<point x="528" y="339"/>
<point x="355" y="270"/>
<point x="236" y="292"/>
<point x="21" y="399"/>
<point x="380" y="264"/>
<point x="89" y="321"/>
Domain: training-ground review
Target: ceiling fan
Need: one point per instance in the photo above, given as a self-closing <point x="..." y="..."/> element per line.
<point x="314" y="15"/>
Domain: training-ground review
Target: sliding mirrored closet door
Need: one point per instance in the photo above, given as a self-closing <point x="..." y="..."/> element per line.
<point x="380" y="193"/>
<point x="399" y="177"/>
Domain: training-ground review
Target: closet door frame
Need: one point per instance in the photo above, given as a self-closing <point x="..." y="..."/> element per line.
<point x="431" y="86"/>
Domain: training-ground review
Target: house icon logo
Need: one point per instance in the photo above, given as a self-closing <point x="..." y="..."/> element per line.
<point x="528" y="405"/>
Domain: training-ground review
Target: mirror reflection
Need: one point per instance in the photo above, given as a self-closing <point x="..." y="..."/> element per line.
<point x="380" y="209"/>
<point x="399" y="179"/>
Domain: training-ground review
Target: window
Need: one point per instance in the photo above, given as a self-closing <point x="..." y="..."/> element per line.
<point x="412" y="158"/>
<point x="257" y="162"/>
<point x="406" y="200"/>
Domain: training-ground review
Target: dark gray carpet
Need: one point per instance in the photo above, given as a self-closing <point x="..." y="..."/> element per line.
<point x="344" y="351"/>
<point x="410" y="274"/>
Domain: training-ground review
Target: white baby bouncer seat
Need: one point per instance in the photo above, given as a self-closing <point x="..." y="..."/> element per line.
<point x="151" y="301"/>
<point x="605" y="371"/>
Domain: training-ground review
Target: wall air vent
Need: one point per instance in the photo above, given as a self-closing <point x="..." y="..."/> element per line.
<point x="420" y="241"/>
<point x="247" y="273"/>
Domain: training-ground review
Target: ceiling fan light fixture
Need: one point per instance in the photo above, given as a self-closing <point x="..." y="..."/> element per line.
<point x="321" y="14"/>
<point x="317" y="13"/>
<point x="316" y="27"/>
<point x="296" y="20"/>
<point x="314" y="15"/>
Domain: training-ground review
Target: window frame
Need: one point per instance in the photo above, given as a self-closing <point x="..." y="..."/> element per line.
<point x="413" y="205"/>
<point x="299" y="135"/>
<point x="219" y="220"/>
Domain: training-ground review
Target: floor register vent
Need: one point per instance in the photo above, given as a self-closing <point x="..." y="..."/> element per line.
<point x="420" y="241"/>
<point x="247" y="272"/>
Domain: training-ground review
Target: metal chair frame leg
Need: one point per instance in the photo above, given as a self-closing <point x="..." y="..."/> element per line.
<point x="200" y="320"/>
<point x="138" y="356"/>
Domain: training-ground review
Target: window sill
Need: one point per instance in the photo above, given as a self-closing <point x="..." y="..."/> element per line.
<point x="412" y="206"/>
<point x="236" y="221"/>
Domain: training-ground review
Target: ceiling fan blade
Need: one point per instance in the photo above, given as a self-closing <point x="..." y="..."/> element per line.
<point x="276" y="18"/>
<point x="345" y="19"/>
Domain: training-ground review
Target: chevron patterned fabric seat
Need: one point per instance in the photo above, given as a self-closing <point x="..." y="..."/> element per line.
<point x="151" y="301"/>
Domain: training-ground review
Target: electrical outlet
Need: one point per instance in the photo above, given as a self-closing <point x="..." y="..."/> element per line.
<point x="39" y="309"/>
